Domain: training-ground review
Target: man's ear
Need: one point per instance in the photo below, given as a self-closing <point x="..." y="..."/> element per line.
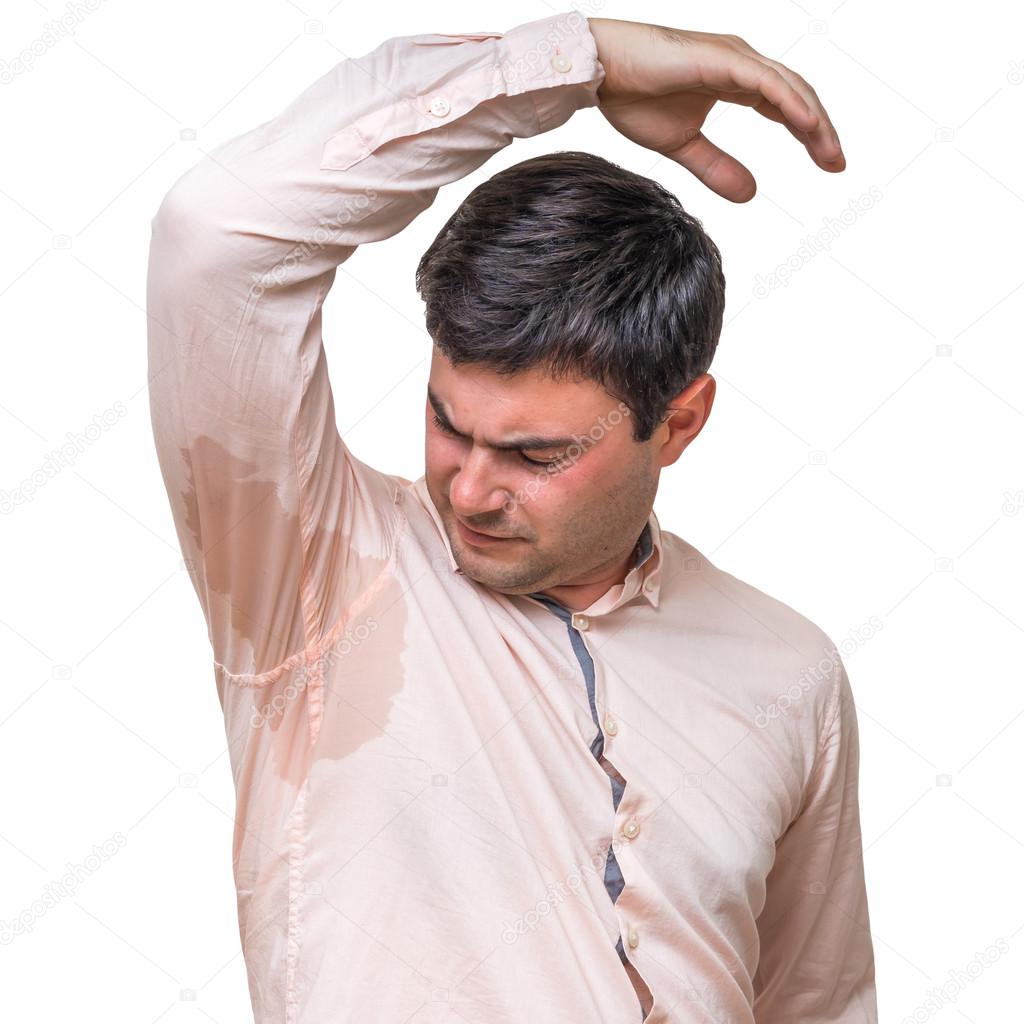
<point x="685" y="418"/>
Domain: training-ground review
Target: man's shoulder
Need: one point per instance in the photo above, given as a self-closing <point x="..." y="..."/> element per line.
<point x="718" y="604"/>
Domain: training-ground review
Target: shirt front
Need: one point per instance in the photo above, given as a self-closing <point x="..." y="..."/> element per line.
<point x="613" y="880"/>
<point x="452" y="804"/>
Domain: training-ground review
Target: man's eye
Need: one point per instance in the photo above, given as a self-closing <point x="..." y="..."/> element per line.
<point x="441" y="426"/>
<point x="445" y="429"/>
<point x="541" y="462"/>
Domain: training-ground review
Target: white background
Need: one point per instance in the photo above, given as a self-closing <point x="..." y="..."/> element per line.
<point x="862" y="462"/>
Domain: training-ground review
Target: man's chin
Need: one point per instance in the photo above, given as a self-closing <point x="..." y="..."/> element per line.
<point x="483" y="570"/>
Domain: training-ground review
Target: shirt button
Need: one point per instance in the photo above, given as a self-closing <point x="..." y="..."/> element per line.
<point x="439" y="106"/>
<point x="561" y="63"/>
<point x="649" y="585"/>
<point x="632" y="938"/>
<point x="631" y="829"/>
<point x="610" y="725"/>
<point x="580" y="621"/>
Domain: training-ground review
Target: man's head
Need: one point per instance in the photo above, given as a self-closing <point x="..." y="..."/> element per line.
<point x="573" y="301"/>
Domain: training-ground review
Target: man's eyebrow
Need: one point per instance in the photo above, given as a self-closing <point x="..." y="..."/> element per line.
<point x="521" y="442"/>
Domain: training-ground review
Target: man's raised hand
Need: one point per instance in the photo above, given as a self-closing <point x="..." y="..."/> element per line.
<point x="660" y="84"/>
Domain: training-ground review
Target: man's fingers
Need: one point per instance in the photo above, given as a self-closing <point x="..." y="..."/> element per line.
<point x="822" y="142"/>
<point x="664" y="92"/>
<point x="785" y="97"/>
<point x="719" y="171"/>
<point x="741" y="73"/>
<point x="837" y="164"/>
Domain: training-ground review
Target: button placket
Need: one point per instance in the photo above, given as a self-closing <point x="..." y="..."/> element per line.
<point x="609" y="727"/>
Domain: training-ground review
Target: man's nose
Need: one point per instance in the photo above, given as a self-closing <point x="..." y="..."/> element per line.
<point x="476" y="490"/>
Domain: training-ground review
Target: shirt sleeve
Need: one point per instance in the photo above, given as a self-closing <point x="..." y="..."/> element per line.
<point x="816" y="959"/>
<point x="281" y="527"/>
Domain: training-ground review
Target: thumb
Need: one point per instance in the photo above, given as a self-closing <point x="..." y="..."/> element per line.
<point x="719" y="171"/>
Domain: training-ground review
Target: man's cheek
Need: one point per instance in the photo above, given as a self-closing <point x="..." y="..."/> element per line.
<point x="436" y="459"/>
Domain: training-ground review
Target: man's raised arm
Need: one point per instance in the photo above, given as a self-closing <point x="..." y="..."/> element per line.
<point x="279" y="524"/>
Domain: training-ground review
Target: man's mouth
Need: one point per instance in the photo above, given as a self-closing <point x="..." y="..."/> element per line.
<point x="478" y="538"/>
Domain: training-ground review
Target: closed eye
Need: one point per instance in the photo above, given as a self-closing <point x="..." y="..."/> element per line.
<point x="445" y="429"/>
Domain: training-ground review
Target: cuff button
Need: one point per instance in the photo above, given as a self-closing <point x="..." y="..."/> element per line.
<point x="439" y="106"/>
<point x="561" y="63"/>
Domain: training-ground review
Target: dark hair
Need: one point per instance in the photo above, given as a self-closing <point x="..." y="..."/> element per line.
<point x="574" y="265"/>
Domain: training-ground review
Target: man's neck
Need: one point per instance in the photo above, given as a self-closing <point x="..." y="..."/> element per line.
<point x="578" y="596"/>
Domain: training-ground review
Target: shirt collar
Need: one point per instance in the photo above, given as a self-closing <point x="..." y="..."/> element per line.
<point x="644" y="578"/>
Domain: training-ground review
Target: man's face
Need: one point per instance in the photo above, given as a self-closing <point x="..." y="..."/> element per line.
<point x="574" y="511"/>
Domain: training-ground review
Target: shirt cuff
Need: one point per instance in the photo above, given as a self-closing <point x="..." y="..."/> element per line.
<point x="556" y="51"/>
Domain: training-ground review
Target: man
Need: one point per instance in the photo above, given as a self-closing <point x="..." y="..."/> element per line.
<point x="504" y="749"/>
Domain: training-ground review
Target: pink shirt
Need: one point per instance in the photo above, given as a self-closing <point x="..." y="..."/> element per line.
<point x="422" y="828"/>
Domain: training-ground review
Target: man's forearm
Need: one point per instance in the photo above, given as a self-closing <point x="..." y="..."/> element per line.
<point x="356" y="156"/>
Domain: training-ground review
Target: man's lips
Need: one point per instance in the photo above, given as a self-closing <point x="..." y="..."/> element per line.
<point x="477" y="536"/>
